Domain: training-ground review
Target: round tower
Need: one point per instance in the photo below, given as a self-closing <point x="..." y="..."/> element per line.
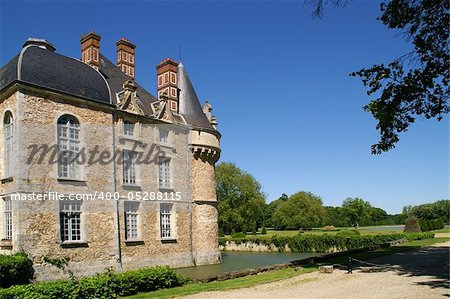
<point x="205" y="147"/>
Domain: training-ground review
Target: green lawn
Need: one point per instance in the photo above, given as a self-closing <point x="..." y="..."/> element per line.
<point x="242" y="282"/>
<point x="271" y="276"/>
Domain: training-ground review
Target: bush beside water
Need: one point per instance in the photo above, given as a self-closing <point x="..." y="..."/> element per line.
<point x="325" y="243"/>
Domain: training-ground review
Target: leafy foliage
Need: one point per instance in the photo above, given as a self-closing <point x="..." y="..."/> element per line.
<point x="439" y="209"/>
<point x="417" y="83"/>
<point x="326" y="242"/>
<point x="241" y="202"/>
<point x="355" y="210"/>
<point x="301" y="210"/>
<point x="109" y="285"/>
<point x="15" y="269"/>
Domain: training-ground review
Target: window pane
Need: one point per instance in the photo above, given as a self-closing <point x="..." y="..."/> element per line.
<point x="129" y="167"/>
<point x="70" y="217"/>
<point x="165" y="215"/>
<point x="68" y="144"/>
<point x="164" y="172"/>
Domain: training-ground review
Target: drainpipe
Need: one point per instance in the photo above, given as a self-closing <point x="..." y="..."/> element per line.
<point x="116" y="204"/>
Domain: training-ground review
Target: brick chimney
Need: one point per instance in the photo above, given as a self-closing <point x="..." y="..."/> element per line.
<point x="90" y="49"/>
<point x="125" y="56"/>
<point x="166" y="71"/>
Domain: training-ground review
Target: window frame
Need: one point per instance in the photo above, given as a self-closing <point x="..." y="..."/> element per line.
<point x="74" y="217"/>
<point x="7" y="219"/>
<point x="126" y="126"/>
<point x="166" y="221"/>
<point x="165" y="173"/>
<point x="68" y="170"/>
<point x="8" y="127"/>
<point x="129" y="173"/>
<point x="131" y="221"/>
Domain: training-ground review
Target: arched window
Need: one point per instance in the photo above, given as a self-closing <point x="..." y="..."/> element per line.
<point x="69" y="147"/>
<point x="8" y="123"/>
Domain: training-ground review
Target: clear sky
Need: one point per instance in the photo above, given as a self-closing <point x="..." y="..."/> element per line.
<point x="278" y="81"/>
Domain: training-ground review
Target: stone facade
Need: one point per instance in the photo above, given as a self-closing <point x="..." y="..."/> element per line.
<point x="37" y="225"/>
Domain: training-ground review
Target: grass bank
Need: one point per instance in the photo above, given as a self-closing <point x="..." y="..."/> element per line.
<point x="276" y="275"/>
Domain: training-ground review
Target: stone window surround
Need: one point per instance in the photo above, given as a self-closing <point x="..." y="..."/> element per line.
<point x="83" y="232"/>
<point x="171" y="187"/>
<point x="7" y="173"/>
<point x="137" y="177"/>
<point x="173" y="223"/>
<point x="139" y="238"/>
<point x="81" y="136"/>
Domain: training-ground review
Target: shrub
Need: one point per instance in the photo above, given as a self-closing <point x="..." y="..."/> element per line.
<point x="440" y="223"/>
<point x="412" y="225"/>
<point x="221" y="234"/>
<point x="328" y="228"/>
<point x="238" y="235"/>
<point x="348" y="233"/>
<point x="109" y="285"/>
<point x="327" y="242"/>
<point x="424" y="225"/>
<point x="263" y="230"/>
<point x="15" y="269"/>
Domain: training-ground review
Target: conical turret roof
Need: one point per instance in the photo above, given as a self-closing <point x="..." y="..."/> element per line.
<point x="189" y="104"/>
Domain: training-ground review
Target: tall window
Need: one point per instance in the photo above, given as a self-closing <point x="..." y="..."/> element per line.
<point x="131" y="220"/>
<point x="165" y="219"/>
<point x="70" y="218"/>
<point x="129" y="167"/>
<point x="9" y="138"/>
<point x="69" y="147"/>
<point x="8" y="218"/>
<point x="164" y="172"/>
<point x="163" y="135"/>
<point x="128" y="128"/>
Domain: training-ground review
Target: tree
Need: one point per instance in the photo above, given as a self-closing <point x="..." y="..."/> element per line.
<point x="415" y="84"/>
<point x="356" y="210"/>
<point x="301" y="210"/>
<point x="270" y="209"/>
<point x="439" y="209"/>
<point x="241" y="202"/>
<point x="334" y="216"/>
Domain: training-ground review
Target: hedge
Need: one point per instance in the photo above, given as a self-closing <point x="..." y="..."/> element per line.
<point x="325" y="243"/>
<point x="15" y="269"/>
<point x="101" y="286"/>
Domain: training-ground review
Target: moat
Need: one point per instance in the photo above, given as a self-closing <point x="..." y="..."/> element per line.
<point x="233" y="261"/>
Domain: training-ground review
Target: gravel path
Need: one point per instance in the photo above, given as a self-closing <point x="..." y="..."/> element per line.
<point x="422" y="273"/>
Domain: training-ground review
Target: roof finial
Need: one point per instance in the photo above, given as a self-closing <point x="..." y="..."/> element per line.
<point x="180" y="53"/>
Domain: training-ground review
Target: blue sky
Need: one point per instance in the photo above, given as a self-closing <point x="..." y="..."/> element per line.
<point x="278" y="80"/>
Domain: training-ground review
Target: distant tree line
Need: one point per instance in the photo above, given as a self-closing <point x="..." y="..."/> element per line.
<point x="242" y="207"/>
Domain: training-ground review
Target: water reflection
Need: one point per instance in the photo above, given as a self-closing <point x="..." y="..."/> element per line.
<point x="233" y="261"/>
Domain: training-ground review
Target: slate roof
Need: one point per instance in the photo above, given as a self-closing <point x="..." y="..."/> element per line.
<point x="189" y="104"/>
<point x="44" y="68"/>
<point x="39" y="65"/>
<point x="115" y="78"/>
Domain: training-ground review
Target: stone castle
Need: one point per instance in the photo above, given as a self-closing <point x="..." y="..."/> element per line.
<point x="97" y="172"/>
